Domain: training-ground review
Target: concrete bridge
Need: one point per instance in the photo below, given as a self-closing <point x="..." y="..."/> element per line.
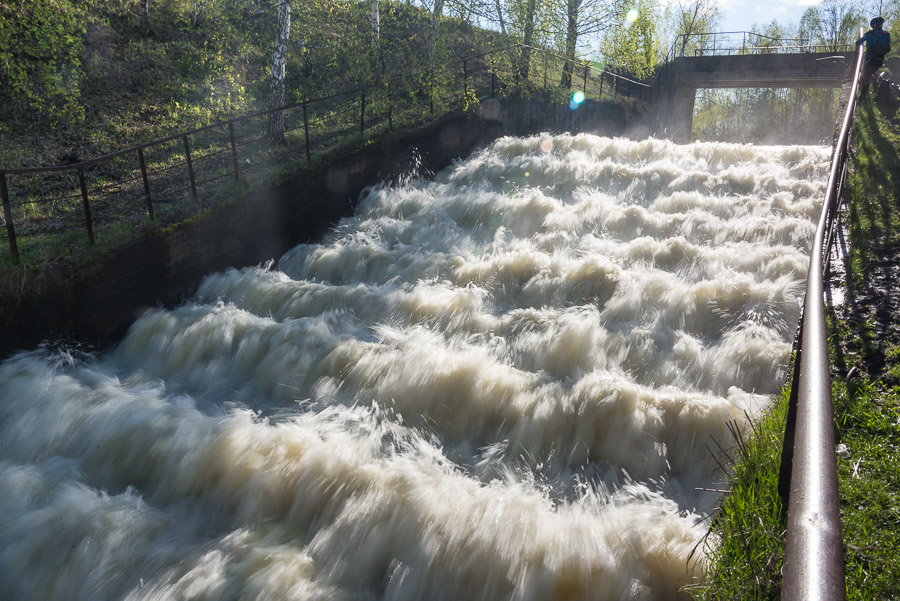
<point x="678" y="81"/>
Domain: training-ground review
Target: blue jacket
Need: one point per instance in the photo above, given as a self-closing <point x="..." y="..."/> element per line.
<point x="878" y="43"/>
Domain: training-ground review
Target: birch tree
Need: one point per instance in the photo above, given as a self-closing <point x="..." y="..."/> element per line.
<point x="145" y="17"/>
<point x="198" y="11"/>
<point x="633" y="44"/>
<point x="279" y="59"/>
<point x="527" y="38"/>
<point x="436" y="13"/>
<point x="691" y="18"/>
<point x="583" y="18"/>
<point x="376" y="25"/>
<point x="840" y="21"/>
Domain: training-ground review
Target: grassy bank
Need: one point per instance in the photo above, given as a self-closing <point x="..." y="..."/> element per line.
<point x="745" y="545"/>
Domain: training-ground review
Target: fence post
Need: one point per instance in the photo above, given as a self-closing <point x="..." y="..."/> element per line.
<point x="146" y="182"/>
<point x="584" y="87"/>
<point x="600" y="96"/>
<point x="87" y="207"/>
<point x="234" y="159"/>
<point x="306" y="134"/>
<point x="616" y="95"/>
<point x="190" y="166"/>
<point x="7" y="213"/>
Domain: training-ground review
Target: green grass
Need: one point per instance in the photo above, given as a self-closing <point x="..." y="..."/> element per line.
<point x="745" y="544"/>
<point x="868" y="419"/>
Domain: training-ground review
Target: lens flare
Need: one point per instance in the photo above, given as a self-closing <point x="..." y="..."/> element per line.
<point x="576" y="100"/>
<point x="632" y="16"/>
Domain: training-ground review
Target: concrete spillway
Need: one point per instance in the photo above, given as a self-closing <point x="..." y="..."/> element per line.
<point x="499" y="384"/>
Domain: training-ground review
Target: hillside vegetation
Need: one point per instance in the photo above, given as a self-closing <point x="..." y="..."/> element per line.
<point x="85" y="81"/>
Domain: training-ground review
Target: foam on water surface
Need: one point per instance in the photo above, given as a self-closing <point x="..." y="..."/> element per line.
<point x="500" y="384"/>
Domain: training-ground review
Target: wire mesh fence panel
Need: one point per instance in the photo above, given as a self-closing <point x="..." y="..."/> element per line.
<point x="169" y="181"/>
<point x="378" y="112"/>
<point x="334" y="123"/>
<point x="44" y="203"/>
<point x="117" y="207"/>
<point x="211" y="164"/>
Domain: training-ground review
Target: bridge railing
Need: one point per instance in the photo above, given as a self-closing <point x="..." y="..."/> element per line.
<point x="808" y="484"/>
<point x="731" y="43"/>
<point x="53" y="210"/>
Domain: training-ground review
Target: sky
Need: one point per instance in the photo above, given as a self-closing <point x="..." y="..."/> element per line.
<point x="740" y="15"/>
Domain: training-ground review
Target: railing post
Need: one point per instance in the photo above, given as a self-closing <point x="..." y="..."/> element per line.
<point x="234" y="158"/>
<point x="7" y="214"/>
<point x="306" y="134"/>
<point x="87" y="207"/>
<point x="146" y="182"/>
<point x="616" y="95"/>
<point x="190" y="166"/>
<point x="362" y="112"/>
<point x="584" y="87"/>
<point x="600" y="96"/>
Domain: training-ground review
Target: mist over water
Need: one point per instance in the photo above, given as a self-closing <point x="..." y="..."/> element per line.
<point x="500" y="384"/>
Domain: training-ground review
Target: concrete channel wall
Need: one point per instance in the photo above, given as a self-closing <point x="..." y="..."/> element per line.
<point x="95" y="303"/>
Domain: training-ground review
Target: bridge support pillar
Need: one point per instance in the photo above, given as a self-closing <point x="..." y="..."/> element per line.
<point x="681" y="114"/>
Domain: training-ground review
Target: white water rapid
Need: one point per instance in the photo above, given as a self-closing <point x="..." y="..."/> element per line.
<point x="500" y="384"/>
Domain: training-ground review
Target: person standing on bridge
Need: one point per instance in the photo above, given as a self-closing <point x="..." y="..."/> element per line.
<point x="878" y="44"/>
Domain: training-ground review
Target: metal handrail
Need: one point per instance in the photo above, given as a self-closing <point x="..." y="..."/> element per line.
<point x="710" y="48"/>
<point x="813" y="560"/>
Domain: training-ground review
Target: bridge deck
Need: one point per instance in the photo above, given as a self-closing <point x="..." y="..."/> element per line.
<point x="814" y="69"/>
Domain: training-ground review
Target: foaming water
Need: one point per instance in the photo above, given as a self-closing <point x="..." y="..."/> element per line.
<point x="499" y="384"/>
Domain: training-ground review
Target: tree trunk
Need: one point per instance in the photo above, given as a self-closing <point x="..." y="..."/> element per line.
<point x="279" y="56"/>
<point x="527" y="40"/>
<point x="435" y="26"/>
<point x="376" y="25"/>
<point x="198" y="11"/>
<point x="502" y="22"/>
<point x="432" y="46"/>
<point x="572" y="8"/>
<point x="145" y="17"/>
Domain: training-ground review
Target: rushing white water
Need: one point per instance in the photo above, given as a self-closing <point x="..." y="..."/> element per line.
<point x="502" y="384"/>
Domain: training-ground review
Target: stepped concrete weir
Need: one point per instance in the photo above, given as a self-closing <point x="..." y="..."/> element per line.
<point x="678" y="81"/>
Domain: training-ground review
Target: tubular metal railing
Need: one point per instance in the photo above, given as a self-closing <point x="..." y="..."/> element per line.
<point x="727" y="43"/>
<point x="168" y="179"/>
<point x="814" y="561"/>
